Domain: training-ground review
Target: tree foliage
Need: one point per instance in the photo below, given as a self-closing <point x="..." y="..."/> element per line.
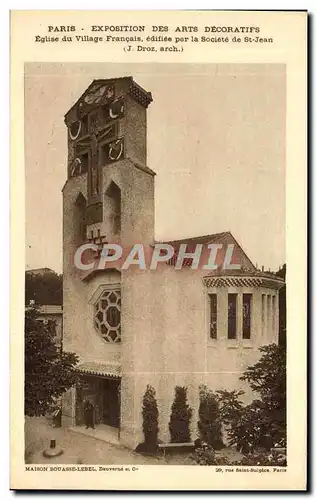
<point x="262" y="423"/>
<point x="46" y="288"/>
<point x="230" y="406"/>
<point x="150" y="418"/>
<point x="209" y="424"/>
<point x="181" y="414"/>
<point x="268" y="377"/>
<point x="282" y="307"/>
<point x="48" y="371"/>
<point x="206" y="455"/>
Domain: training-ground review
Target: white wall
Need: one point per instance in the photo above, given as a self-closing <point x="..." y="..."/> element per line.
<point x="166" y="327"/>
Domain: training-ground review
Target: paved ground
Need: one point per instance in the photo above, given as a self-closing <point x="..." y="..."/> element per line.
<point x="83" y="449"/>
<point x="77" y="448"/>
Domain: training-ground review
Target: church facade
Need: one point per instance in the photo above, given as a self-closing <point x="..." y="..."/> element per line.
<point x="133" y="327"/>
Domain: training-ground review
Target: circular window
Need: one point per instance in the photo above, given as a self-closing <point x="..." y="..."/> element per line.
<point x="108" y="315"/>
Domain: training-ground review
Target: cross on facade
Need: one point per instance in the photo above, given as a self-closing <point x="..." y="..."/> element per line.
<point x="92" y="144"/>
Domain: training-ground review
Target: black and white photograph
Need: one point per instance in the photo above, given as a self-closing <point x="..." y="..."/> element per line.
<point x="156" y="298"/>
<point x="159" y="188"/>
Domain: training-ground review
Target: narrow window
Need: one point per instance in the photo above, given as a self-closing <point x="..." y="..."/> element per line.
<point x="112" y="207"/>
<point x="247" y="305"/>
<point x="263" y="313"/>
<point x="269" y="315"/>
<point x="232" y="315"/>
<point x="273" y="311"/>
<point x="213" y="315"/>
<point x="80" y="219"/>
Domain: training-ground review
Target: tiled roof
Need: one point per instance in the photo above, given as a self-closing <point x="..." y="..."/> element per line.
<point x="207" y="238"/>
<point x="101" y="369"/>
<point x="243" y="271"/>
<point x="191" y="243"/>
<point x="50" y="309"/>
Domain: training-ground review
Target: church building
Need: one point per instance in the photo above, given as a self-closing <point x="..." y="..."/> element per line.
<point x="133" y="327"/>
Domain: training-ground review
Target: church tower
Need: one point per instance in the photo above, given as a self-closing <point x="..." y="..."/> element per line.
<point x="134" y="327"/>
<point x="108" y="198"/>
<point x="106" y="146"/>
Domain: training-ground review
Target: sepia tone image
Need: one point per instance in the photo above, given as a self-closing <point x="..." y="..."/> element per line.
<point x="155" y="283"/>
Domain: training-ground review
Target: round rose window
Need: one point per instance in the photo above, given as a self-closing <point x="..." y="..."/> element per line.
<point x="108" y="315"/>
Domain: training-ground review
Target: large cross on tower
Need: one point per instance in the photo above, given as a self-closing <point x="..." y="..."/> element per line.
<point x="107" y="124"/>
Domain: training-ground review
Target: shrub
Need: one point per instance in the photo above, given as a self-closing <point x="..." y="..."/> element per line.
<point x="264" y="458"/>
<point x="181" y="415"/>
<point x="150" y="419"/>
<point x="252" y="429"/>
<point x="205" y="455"/>
<point x="209" y="424"/>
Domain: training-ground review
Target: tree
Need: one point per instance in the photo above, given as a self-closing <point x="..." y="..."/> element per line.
<point x="262" y="423"/>
<point x="48" y="371"/>
<point x="209" y="424"/>
<point x="230" y="406"/>
<point x="181" y="415"/>
<point x="282" y="308"/>
<point x="268" y="377"/>
<point x="44" y="288"/>
<point x="150" y="419"/>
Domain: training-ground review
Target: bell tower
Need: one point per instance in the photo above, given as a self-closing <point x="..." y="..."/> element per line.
<point x="108" y="198"/>
<point x="107" y="147"/>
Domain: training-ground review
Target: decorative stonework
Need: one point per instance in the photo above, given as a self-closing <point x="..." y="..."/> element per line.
<point x="138" y="94"/>
<point x="243" y="281"/>
<point x="107" y="318"/>
<point x="103" y="128"/>
<point x="98" y="94"/>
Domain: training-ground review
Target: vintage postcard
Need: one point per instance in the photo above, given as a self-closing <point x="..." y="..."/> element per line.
<point x="158" y="222"/>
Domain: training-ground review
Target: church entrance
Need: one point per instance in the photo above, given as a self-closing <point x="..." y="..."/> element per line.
<point x="104" y="396"/>
<point x="110" y="404"/>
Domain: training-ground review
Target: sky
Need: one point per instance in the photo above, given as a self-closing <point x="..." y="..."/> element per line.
<point x="216" y="140"/>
